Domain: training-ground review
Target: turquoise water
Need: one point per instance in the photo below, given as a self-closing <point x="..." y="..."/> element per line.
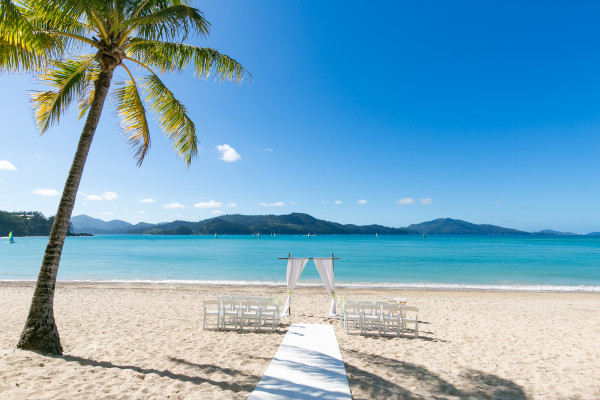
<point x="496" y="262"/>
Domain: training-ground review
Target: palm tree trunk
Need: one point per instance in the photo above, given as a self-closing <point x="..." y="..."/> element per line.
<point x="40" y="332"/>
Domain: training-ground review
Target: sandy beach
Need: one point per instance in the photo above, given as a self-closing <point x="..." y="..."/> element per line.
<point x="147" y="342"/>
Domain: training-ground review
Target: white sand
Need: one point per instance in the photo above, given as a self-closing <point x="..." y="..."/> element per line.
<point x="146" y="342"/>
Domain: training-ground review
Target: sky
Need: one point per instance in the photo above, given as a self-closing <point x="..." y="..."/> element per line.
<point x="383" y="112"/>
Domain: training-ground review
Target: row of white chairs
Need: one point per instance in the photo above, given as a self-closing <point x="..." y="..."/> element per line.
<point x="379" y="317"/>
<point x="234" y="312"/>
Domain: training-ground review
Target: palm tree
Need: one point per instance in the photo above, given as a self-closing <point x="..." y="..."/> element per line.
<point x="133" y="35"/>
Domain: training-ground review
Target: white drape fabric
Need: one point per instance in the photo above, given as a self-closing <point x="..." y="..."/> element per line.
<point x="325" y="268"/>
<point x="295" y="267"/>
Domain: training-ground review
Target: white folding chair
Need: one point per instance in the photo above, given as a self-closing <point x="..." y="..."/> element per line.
<point x="352" y="317"/>
<point x="391" y="318"/>
<point x="371" y="318"/>
<point x="211" y="309"/>
<point x="230" y="313"/>
<point x="269" y="314"/>
<point x="410" y="315"/>
<point x="250" y="311"/>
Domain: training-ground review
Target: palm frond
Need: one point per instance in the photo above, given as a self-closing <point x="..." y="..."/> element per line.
<point x="22" y="47"/>
<point x="174" y="57"/>
<point x="177" y="21"/>
<point x="133" y="118"/>
<point x="172" y="118"/>
<point x="68" y="77"/>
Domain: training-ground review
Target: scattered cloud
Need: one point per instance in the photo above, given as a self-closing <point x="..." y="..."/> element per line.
<point x="208" y="204"/>
<point x="231" y="205"/>
<point x="277" y="204"/>
<point x="173" y="206"/>
<point x="228" y="153"/>
<point x="426" y="200"/>
<point x="7" y="165"/>
<point x="148" y="200"/>
<point x="498" y="201"/>
<point x="406" y="200"/>
<point x="324" y="202"/>
<point x="141" y="212"/>
<point x="338" y="202"/>
<point x="216" y="212"/>
<point x="293" y="203"/>
<point x="269" y="150"/>
<point x="107" y="213"/>
<point x="362" y="202"/>
<point x="46" y="192"/>
<point x="103" y="196"/>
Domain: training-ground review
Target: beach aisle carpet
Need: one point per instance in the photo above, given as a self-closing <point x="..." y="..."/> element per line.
<point x="307" y="365"/>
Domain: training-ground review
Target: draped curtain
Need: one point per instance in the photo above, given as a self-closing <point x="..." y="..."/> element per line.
<point x="295" y="267"/>
<point x="325" y="268"/>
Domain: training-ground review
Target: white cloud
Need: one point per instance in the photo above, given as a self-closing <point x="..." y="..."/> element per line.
<point x="293" y="203"/>
<point x="228" y="153"/>
<point x="498" y="201"/>
<point x="362" y="202"/>
<point x="208" y="204"/>
<point x="103" y="196"/>
<point x="277" y="204"/>
<point x="324" y="202"/>
<point x="107" y="213"/>
<point x="46" y="192"/>
<point x="216" y="212"/>
<point x="109" y="196"/>
<point x="406" y="200"/>
<point x="338" y="202"/>
<point x="231" y="205"/>
<point x="173" y="206"/>
<point x="141" y="212"/>
<point x="269" y="150"/>
<point x="7" y="165"/>
<point x="147" y="200"/>
<point x="426" y="200"/>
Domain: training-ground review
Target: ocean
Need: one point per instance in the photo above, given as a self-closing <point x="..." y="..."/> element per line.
<point x="555" y="263"/>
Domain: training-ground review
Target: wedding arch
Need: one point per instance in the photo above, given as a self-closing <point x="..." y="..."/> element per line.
<point x="295" y="266"/>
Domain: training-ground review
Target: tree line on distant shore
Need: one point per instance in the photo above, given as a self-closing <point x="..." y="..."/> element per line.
<point x="27" y="223"/>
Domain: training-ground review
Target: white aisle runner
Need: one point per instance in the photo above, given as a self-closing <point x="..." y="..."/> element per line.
<point x="307" y="365"/>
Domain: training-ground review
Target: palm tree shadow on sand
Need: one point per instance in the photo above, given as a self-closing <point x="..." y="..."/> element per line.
<point x="242" y="382"/>
<point x="393" y="376"/>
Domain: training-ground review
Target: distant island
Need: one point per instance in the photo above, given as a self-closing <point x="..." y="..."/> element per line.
<point x="290" y="224"/>
<point x="28" y="223"/>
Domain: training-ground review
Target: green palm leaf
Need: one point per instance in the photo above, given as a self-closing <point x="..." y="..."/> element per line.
<point x="22" y="47"/>
<point x="158" y="23"/>
<point x="172" y="118"/>
<point x="174" y="57"/>
<point x="69" y="79"/>
<point x="133" y="118"/>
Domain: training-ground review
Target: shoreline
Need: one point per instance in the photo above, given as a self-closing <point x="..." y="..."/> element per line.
<point x="424" y="287"/>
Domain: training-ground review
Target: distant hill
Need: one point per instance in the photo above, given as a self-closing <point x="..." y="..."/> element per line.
<point x="28" y="223"/>
<point x="86" y="224"/>
<point x="291" y="224"/>
<point x="554" y="233"/>
<point x="449" y="226"/>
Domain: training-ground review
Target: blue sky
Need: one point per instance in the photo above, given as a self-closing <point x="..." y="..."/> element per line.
<point x="385" y="112"/>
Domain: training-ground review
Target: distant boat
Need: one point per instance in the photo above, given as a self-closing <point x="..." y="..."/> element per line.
<point x="423" y="235"/>
<point x="215" y="235"/>
<point x="11" y="239"/>
<point x="376" y="236"/>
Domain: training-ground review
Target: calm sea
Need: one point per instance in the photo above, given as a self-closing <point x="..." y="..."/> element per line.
<point x="489" y="262"/>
